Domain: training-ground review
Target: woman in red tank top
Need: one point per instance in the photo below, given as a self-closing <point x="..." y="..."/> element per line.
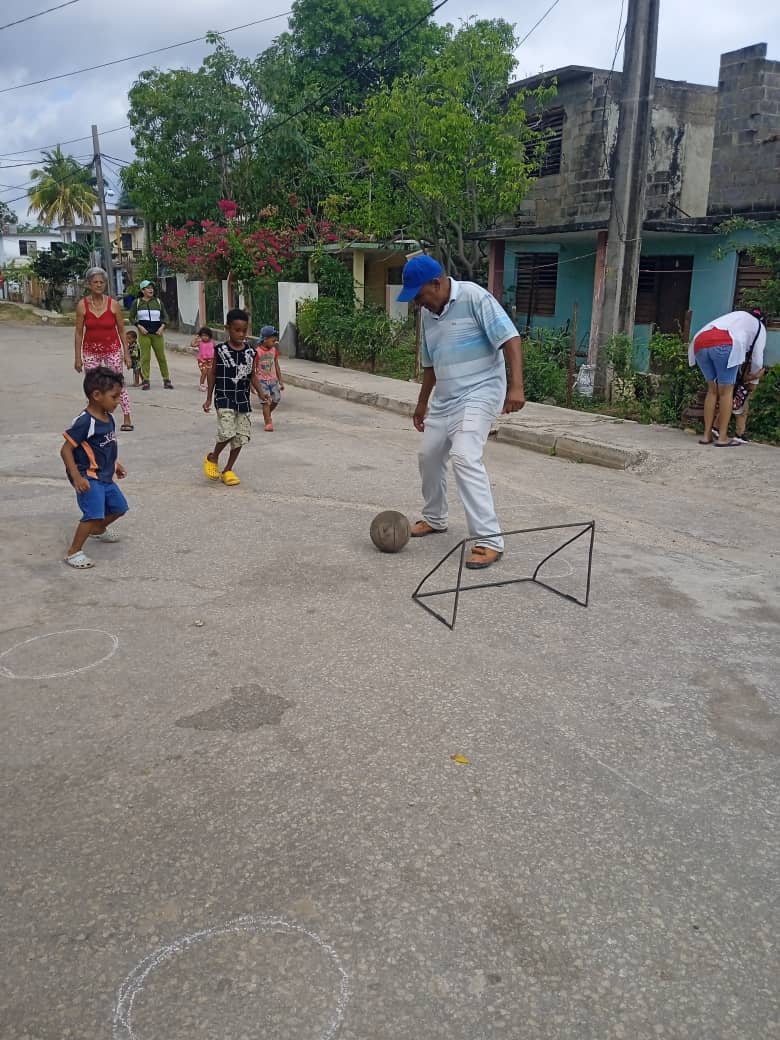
<point x="100" y="335"/>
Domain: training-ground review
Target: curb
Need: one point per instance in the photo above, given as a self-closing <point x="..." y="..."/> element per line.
<point x="575" y="449"/>
<point x="563" y="446"/>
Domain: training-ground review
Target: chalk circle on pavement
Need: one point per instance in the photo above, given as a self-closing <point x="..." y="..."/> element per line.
<point x="78" y="644"/>
<point x="131" y="988"/>
<point x="556" y="567"/>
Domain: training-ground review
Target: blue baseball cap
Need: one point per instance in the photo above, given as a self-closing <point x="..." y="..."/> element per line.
<point x="418" y="272"/>
<point x="268" y="330"/>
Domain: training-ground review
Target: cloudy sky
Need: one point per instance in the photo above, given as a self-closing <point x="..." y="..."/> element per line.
<point x="693" y="33"/>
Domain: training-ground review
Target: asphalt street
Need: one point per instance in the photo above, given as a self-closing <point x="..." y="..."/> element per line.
<point x="250" y="789"/>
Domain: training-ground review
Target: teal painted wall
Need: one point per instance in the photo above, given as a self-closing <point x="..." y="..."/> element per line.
<point x="712" y="284"/>
<point x="576" y="270"/>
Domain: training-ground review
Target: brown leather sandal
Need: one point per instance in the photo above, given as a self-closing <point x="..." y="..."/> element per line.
<point x="482" y="556"/>
<point x="421" y="528"/>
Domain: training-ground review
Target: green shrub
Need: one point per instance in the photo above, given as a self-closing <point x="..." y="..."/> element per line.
<point x="366" y="332"/>
<point x="319" y="330"/>
<point x="620" y="354"/>
<point x="334" y="279"/>
<point x="364" y="338"/>
<point x="678" y="382"/>
<point x="763" y="420"/>
<point x="545" y="360"/>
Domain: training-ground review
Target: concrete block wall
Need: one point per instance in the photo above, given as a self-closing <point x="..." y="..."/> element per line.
<point x="582" y="189"/>
<point x="746" y="149"/>
<point x="680" y="151"/>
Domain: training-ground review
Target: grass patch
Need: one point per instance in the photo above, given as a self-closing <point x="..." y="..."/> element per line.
<point x="26" y="316"/>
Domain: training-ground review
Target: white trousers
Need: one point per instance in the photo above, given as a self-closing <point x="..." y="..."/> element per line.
<point x="460" y="437"/>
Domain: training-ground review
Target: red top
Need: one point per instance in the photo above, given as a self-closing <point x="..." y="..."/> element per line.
<point x="712" y="338"/>
<point x="100" y="334"/>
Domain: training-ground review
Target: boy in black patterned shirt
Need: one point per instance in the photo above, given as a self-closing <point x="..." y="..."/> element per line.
<point x="229" y="382"/>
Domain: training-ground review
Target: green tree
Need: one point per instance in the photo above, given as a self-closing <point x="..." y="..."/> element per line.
<point x="55" y="269"/>
<point x="332" y="40"/>
<point x="199" y="137"/>
<point x="7" y="215"/>
<point x="443" y="153"/>
<point x="764" y="251"/>
<point x="62" y="191"/>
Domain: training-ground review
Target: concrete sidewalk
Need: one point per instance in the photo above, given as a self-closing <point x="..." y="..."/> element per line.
<point x="601" y="440"/>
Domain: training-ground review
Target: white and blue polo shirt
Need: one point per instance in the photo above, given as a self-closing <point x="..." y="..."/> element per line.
<point x="463" y="346"/>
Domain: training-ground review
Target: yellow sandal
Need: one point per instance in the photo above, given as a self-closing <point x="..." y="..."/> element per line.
<point x="210" y="469"/>
<point x="230" y="478"/>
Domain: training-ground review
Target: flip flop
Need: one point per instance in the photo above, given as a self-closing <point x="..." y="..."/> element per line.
<point x="79" y="560"/>
<point x="702" y="441"/>
<point x="727" y="444"/>
<point x="127" y="427"/>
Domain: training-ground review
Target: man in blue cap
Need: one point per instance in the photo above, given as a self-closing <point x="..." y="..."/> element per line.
<point x="466" y="335"/>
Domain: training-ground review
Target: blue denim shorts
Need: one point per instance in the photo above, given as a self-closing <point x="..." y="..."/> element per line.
<point x="714" y="363"/>
<point x="273" y="391"/>
<point x="100" y="501"/>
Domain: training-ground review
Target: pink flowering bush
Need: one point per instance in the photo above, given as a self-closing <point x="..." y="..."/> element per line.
<point x="245" y="250"/>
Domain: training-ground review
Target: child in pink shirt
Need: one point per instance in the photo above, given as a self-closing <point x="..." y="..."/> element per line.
<point x="204" y="343"/>
<point x="268" y="372"/>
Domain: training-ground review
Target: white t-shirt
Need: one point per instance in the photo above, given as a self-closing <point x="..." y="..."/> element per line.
<point x="463" y="346"/>
<point x="740" y="329"/>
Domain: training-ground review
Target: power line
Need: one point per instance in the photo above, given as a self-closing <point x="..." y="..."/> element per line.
<point x="76" y="173"/>
<point x="323" y="96"/>
<point x="117" y="162"/>
<point x="143" y="54"/>
<point x="59" y="144"/>
<point x="537" y="24"/>
<point x="32" y="162"/>
<point x="30" y="17"/>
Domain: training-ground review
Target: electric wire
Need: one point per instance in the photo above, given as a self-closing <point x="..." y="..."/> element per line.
<point x="142" y="54"/>
<point x="29" y="17"/>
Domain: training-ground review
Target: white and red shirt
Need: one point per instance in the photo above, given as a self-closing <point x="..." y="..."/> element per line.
<point x="737" y="330"/>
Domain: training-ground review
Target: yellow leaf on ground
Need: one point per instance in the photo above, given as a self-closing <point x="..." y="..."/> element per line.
<point x="460" y="759"/>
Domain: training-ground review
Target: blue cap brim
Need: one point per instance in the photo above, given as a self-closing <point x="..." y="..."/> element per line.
<point x="407" y="294"/>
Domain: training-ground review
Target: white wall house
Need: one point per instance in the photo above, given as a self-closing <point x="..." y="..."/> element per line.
<point x="17" y="248"/>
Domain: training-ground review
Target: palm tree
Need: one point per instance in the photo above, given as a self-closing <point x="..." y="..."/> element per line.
<point x="62" y="191"/>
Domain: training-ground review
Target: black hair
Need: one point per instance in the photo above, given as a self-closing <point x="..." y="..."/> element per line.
<point x="236" y="315"/>
<point x="132" y="332"/>
<point x="102" y="379"/>
<point x="206" y="331"/>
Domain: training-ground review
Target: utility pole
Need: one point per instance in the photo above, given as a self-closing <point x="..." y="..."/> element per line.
<point x="101" y="194"/>
<point x="624" y="235"/>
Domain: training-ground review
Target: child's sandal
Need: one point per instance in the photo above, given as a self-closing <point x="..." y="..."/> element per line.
<point x="109" y="535"/>
<point x="79" y="560"/>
